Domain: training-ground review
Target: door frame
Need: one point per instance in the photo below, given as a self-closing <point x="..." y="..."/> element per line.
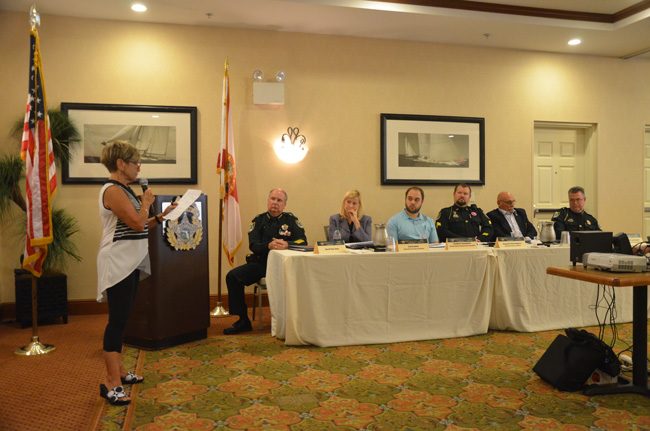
<point x="590" y="134"/>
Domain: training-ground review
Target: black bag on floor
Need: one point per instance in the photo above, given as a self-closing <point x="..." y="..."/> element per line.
<point x="570" y="360"/>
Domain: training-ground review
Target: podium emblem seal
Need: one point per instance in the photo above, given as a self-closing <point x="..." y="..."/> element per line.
<point x="186" y="232"/>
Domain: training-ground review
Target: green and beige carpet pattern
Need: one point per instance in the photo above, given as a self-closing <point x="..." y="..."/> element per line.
<point x="255" y="382"/>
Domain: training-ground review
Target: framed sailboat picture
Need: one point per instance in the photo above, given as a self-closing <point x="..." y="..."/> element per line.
<point x="165" y="137"/>
<point x="431" y="149"/>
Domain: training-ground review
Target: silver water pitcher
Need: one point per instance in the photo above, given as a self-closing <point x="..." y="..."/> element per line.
<point x="380" y="236"/>
<point x="546" y="231"/>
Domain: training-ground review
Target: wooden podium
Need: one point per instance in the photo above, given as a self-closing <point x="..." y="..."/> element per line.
<point x="172" y="306"/>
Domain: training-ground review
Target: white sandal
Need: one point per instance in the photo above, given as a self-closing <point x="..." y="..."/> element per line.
<point x="115" y="396"/>
<point x="131" y="378"/>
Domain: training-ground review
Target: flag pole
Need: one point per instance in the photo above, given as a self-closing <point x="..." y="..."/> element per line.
<point x="35" y="347"/>
<point x="219" y="310"/>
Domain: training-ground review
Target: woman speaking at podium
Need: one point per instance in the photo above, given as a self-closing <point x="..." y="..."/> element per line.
<point x="123" y="257"/>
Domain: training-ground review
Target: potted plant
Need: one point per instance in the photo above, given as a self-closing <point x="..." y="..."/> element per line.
<point x="64" y="224"/>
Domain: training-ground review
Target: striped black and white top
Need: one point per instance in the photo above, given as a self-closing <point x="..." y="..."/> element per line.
<point x="122" y="249"/>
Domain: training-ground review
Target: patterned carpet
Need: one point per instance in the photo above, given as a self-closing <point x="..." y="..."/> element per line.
<point x="257" y="383"/>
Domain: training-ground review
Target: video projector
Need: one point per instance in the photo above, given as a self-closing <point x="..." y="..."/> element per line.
<point x="615" y="262"/>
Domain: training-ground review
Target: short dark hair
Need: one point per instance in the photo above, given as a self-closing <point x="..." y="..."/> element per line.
<point x="577" y="189"/>
<point x="414" y="188"/>
<point x="463" y="186"/>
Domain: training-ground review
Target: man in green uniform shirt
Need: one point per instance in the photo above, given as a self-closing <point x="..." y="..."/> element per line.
<point x="271" y="230"/>
<point x="575" y="217"/>
<point x="462" y="220"/>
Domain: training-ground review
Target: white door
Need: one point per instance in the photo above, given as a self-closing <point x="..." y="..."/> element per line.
<point x="646" y="185"/>
<point x="559" y="164"/>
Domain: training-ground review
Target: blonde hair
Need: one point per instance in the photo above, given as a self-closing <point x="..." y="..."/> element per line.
<point x="118" y="150"/>
<point x="351" y="194"/>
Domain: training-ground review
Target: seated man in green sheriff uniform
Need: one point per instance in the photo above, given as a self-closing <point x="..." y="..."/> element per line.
<point x="462" y="219"/>
<point x="271" y="230"/>
<point x="575" y="217"/>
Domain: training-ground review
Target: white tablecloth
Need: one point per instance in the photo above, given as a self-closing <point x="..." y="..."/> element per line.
<point x="527" y="299"/>
<point x="335" y="300"/>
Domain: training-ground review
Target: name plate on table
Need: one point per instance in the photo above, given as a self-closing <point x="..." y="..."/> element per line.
<point x="412" y="245"/>
<point x="461" y="244"/>
<point x="330" y="247"/>
<point x="508" y="242"/>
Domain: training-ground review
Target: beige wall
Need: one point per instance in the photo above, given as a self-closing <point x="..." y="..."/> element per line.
<point x="335" y="90"/>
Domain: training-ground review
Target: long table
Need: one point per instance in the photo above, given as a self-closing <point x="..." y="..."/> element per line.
<point x="527" y="300"/>
<point x="333" y="300"/>
<point x="336" y="300"/>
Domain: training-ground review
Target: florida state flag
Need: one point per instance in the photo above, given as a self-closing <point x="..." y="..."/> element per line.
<point x="232" y="236"/>
<point x="40" y="171"/>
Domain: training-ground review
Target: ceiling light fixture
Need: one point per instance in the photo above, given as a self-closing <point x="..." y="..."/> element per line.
<point x="138" y="7"/>
<point x="574" y="42"/>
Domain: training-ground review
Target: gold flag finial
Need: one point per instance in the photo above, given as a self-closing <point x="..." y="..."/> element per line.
<point x="34" y="17"/>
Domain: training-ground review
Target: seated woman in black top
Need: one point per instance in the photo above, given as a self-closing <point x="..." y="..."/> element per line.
<point x="351" y="225"/>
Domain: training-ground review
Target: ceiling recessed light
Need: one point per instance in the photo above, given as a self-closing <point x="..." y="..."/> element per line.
<point x="138" y="7"/>
<point x="574" y="42"/>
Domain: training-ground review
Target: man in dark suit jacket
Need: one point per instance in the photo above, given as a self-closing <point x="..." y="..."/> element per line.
<point x="507" y="219"/>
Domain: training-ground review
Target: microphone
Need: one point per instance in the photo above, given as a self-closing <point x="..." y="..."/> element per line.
<point x="144" y="183"/>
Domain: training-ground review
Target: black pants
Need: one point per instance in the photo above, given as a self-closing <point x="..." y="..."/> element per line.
<point x="120" y="302"/>
<point x="236" y="280"/>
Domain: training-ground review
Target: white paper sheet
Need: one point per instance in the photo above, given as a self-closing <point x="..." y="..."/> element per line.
<point x="183" y="203"/>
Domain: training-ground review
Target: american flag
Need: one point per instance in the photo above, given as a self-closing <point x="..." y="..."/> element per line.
<point x="40" y="171"/>
<point x="226" y="168"/>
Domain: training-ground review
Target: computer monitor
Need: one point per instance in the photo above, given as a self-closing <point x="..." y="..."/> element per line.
<point x="589" y="242"/>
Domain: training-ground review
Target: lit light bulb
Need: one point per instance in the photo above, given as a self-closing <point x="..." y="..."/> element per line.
<point x="291" y="147"/>
<point x="138" y="7"/>
<point x="280" y="76"/>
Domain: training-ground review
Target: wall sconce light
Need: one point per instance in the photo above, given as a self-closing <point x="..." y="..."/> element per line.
<point x="292" y="146"/>
<point x="268" y="93"/>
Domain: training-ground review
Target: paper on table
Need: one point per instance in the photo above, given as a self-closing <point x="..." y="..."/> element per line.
<point x="183" y="203"/>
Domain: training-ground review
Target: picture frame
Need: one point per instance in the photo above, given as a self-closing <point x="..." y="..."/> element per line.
<point x="432" y="149"/>
<point x="165" y="136"/>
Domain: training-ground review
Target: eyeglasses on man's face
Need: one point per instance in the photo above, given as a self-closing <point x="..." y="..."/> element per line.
<point x="138" y="163"/>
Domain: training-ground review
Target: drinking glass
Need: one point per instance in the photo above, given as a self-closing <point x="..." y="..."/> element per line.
<point x="391" y="244"/>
